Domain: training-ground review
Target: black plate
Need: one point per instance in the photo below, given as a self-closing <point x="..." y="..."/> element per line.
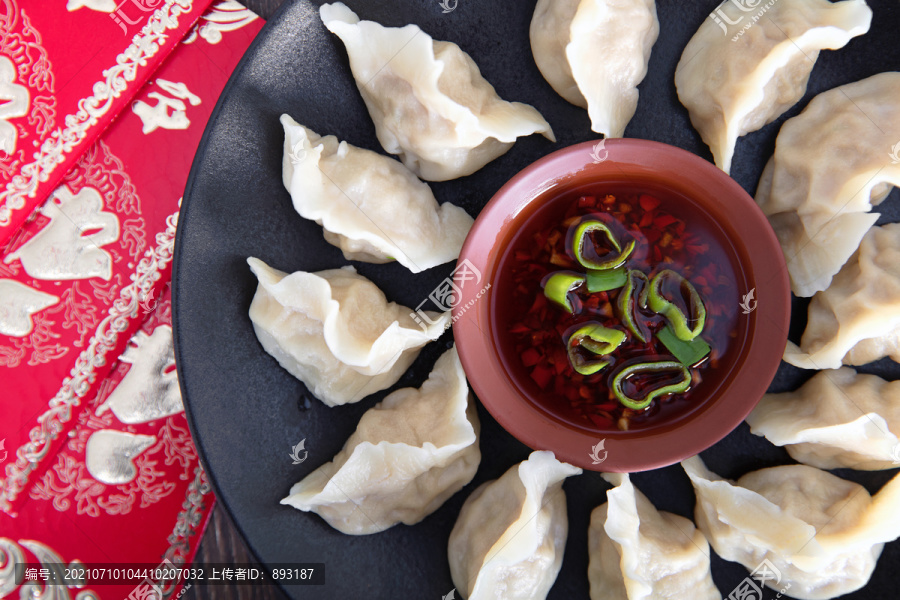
<point x="246" y="412"/>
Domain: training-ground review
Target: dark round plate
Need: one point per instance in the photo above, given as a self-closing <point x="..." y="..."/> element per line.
<point x="246" y="412"/>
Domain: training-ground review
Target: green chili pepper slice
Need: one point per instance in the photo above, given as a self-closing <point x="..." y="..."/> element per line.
<point x="677" y="319"/>
<point x="596" y="339"/>
<point x="650" y="367"/>
<point x="558" y="285"/>
<point x="628" y="304"/>
<point x="688" y="353"/>
<point x="602" y="281"/>
<point x="582" y="236"/>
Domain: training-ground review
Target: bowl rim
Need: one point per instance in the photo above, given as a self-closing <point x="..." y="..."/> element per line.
<point x="766" y="326"/>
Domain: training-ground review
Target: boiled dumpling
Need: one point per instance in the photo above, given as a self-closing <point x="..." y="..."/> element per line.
<point x="735" y="79"/>
<point x="429" y="102"/>
<point x="875" y="348"/>
<point x="832" y="162"/>
<point x="639" y="553"/>
<point x="509" y="538"/>
<point x="823" y="533"/>
<point x="335" y="331"/>
<point x="408" y="455"/>
<point x="357" y="195"/>
<point x="594" y="53"/>
<point x="836" y="419"/>
<point x="861" y="306"/>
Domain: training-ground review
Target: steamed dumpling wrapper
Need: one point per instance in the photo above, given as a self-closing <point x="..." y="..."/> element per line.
<point x="370" y="206"/>
<point x="832" y="163"/>
<point x="640" y="553"/>
<point x="857" y="319"/>
<point x="568" y="36"/>
<point x="823" y="533"/>
<point x="836" y="419"/>
<point x="427" y="98"/>
<point x="509" y="538"/>
<point x="872" y="349"/>
<point x="408" y="455"/>
<point x="734" y="86"/>
<point x="335" y="331"/>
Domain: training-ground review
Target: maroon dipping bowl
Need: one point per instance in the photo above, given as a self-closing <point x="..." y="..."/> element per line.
<point x="755" y="351"/>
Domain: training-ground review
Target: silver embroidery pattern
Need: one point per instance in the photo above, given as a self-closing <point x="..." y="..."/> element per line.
<point x="224" y="16"/>
<point x="106" y="6"/>
<point x="123" y="310"/>
<point x="21" y="43"/>
<point x="110" y="455"/>
<point x="149" y="390"/>
<point x="68" y="484"/>
<point x="11" y="554"/>
<point x="63" y="140"/>
<point x="17" y="303"/>
<point x="15" y="101"/>
<point x="61" y="250"/>
<point x="187" y="525"/>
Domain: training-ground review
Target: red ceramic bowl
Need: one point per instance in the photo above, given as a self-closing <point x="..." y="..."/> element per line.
<point x="755" y="351"/>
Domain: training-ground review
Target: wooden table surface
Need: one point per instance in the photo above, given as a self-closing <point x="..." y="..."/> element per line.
<point x="222" y="543"/>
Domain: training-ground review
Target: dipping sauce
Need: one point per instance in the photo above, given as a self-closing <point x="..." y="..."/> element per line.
<point x="615" y="306"/>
